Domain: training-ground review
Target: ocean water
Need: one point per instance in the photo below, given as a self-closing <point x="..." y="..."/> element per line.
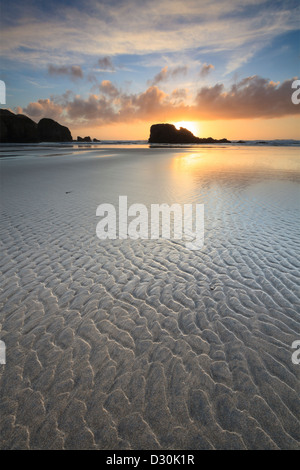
<point x="144" y="344"/>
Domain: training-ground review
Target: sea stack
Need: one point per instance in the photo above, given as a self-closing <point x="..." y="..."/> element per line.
<point x="51" y="131"/>
<point x="168" y="134"/>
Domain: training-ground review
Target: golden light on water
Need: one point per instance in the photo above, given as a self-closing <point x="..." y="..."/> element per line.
<point x="216" y="159"/>
<point x="191" y="126"/>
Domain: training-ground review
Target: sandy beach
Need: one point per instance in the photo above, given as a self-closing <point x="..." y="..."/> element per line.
<point x="144" y="344"/>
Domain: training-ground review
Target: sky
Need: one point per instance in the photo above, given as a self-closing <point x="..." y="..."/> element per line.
<point x="112" y="68"/>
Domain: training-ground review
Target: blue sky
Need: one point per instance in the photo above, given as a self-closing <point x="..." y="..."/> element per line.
<point x="98" y="63"/>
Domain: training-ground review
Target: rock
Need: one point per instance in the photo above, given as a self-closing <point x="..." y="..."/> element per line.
<point x="17" y="128"/>
<point x="84" y="139"/>
<point x="168" y="134"/>
<point x="52" y="131"/>
<point x="96" y="140"/>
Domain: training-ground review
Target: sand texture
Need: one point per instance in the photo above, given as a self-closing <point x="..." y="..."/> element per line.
<point x="124" y="344"/>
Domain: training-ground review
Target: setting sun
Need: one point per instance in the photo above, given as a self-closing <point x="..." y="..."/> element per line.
<point x="191" y="126"/>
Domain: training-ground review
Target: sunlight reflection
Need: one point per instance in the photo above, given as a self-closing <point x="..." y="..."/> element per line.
<point x="240" y="167"/>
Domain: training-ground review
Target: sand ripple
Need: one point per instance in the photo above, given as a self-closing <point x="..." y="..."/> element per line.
<point x="146" y="345"/>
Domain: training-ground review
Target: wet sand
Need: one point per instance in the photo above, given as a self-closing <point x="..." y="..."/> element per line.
<point x="143" y="344"/>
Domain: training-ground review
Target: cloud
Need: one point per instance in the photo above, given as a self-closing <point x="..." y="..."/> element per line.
<point x="160" y="77"/>
<point x="92" y="28"/>
<point x="206" y="69"/>
<point x="73" y="71"/>
<point x="147" y="103"/>
<point x="38" y="85"/>
<point x="240" y="57"/>
<point x="94" y="109"/>
<point x="166" y="73"/>
<point x="106" y="65"/>
<point x="108" y="88"/>
<point x="251" y="97"/>
<point x="179" y="94"/>
<point x="115" y="106"/>
<point x="42" y="108"/>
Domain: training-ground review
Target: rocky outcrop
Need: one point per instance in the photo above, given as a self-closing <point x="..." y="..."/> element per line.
<point x="17" y="128"/>
<point x="52" y="131"/>
<point x="168" y="134"/>
<point x="84" y="139"/>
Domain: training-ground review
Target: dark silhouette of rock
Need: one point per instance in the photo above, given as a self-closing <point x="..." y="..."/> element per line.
<point x="17" y="128"/>
<point x="96" y="140"/>
<point x="241" y="142"/>
<point x="52" y="131"/>
<point x="84" y="139"/>
<point x="168" y="134"/>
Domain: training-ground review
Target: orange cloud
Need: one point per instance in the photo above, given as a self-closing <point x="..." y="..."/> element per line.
<point x="206" y="69"/>
<point x="42" y="108"/>
<point x="108" y="88"/>
<point x="167" y="73"/>
<point x="252" y="97"/>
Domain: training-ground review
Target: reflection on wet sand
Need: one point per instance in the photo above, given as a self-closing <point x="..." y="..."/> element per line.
<point x="122" y="344"/>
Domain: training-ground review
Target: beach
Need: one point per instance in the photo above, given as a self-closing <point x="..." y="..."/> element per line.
<point x="145" y="344"/>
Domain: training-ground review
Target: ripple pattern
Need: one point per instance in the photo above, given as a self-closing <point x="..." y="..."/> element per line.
<point x="144" y="344"/>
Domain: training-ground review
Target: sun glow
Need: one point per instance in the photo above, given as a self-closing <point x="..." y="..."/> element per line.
<point x="191" y="126"/>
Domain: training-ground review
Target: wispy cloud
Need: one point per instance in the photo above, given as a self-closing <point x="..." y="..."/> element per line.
<point x="73" y="71"/>
<point x="167" y="73"/>
<point x="206" y="69"/>
<point x="94" y="28"/>
<point x="105" y="65"/>
<point x="38" y="85"/>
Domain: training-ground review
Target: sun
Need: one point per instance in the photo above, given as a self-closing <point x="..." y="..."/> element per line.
<point x="191" y="126"/>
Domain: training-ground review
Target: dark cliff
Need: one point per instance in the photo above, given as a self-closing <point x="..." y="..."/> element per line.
<point x="52" y="131"/>
<point x="17" y="128"/>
